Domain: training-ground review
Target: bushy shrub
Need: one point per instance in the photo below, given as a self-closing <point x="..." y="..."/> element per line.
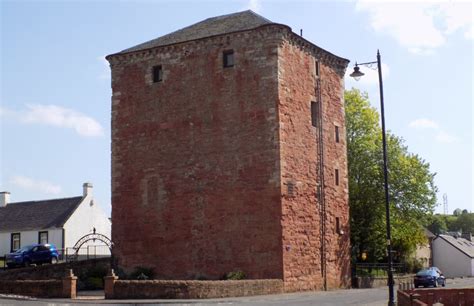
<point x="92" y="279"/>
<point x="142" y="273"/>
<point x="235" y="275"/>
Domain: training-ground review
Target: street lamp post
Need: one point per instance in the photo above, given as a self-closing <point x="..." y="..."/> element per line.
<point x="357" y="74"/>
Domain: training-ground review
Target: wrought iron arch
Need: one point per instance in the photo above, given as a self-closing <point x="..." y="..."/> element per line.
<point x="94" y="236"/>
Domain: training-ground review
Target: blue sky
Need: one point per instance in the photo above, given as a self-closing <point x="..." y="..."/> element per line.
<point x="55" y="83"/>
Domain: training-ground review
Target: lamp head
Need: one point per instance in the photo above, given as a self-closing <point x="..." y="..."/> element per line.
<point x="356" y="74"/>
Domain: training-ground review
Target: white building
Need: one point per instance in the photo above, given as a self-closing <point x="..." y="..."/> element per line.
<point x="61" y="222"/>
<point x="454" y="256"/>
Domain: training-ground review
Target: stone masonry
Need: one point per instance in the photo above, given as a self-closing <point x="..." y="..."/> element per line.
<point x="215" y="169"/>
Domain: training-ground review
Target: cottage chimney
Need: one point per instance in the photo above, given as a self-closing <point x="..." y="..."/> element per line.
<point x="467" y="236"/>
<point x="86" y="189"/>
<point x="4" y="198"/>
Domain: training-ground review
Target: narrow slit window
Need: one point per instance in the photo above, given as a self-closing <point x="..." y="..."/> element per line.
<point x="228" y="57"/>
<point x="338" y="226"/>
<point x="157" y="74"/>
<point x="314" y="113"/>
<point x="336" y="177"/>
<point x="316" y="66"/>
<point x="336" y="133"/>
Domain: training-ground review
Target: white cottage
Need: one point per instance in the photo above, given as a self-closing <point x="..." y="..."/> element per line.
<point x="454" y="255"/>
<point x="61" y="222"/>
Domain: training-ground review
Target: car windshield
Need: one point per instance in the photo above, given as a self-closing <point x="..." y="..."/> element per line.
<point x="24" y="249"/>
<point x="424" y="273"/>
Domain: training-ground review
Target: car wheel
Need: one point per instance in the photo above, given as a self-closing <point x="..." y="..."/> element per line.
<point x="54" y="260"/>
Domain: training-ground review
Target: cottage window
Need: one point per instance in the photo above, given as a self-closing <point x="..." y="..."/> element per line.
<point x="15" y="242"/>
<point x="157" y="74"/>
<point x="228" y="57"/>
<point x="43" y="237"/>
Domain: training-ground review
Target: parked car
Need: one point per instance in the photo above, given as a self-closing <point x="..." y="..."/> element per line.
<point x="32" y="254"/>
<point x="429" y="277"/>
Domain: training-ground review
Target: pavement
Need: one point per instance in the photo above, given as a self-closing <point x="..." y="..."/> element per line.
<point x="367" y="297"/>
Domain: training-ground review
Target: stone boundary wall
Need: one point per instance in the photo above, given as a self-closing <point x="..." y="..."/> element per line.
<point x="167" y="289"/>
<point x="374" y="282"/>
<point x="429" y="297"/>
<point x="407" y="299"/>
<point x="65" y="288"/>
<point x="50" y="271"/>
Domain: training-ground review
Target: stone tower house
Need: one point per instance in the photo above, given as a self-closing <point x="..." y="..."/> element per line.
<point x="229" y="154"/>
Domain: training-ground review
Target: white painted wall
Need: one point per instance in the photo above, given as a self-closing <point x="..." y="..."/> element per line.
<point x="451" y="261"/>
<point x="83" y="220"/>
<point x="29" y="237"/>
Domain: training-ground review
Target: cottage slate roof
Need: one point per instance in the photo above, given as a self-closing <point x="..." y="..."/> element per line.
<point x="463" y="245"/>
<point x="36" y="215"/>
<point x="240" y="21"/>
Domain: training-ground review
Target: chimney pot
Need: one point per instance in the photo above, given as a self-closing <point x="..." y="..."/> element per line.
<point x="4" y="198"/>
<point x="86" y="189"/>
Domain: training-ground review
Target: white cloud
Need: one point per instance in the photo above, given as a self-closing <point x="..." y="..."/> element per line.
<point x="441" y="135"/>
<point x="445" y="137"/>
<point x="424" y="124"/>
<point x="57" y="116"/>
<point x="35" y="185"/>
<point x="370" y="78"/>
<point x="419" y="26"/>
<point x="254" y="5"/>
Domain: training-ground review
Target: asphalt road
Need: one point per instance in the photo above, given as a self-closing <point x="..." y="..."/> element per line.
<point x="368" y="297"/>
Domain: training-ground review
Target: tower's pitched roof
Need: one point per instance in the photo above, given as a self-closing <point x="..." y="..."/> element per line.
<point x="240" y="21"/>
<point x="35" y="215"/>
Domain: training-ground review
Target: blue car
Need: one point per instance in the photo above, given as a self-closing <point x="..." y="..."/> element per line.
<point x="429" y="277"/>
<point x="32" y="254"/>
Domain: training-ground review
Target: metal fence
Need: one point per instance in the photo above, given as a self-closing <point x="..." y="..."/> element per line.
<point x="84" y="253"/>
<point x="377" y="269"/>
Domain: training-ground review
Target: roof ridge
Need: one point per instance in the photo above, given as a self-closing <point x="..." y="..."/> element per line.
<point x="217" y="25"/>
<point x="46" y="200"/>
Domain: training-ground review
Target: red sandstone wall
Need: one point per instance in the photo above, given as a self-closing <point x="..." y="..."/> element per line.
<point x="195" y="159"/>
<point x="298" y="141"/>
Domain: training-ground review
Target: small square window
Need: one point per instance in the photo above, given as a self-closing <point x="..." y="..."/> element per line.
<point x="228" y="57"/>
<point x="157" y="74"/>
<point x="336" y="177"/>
<point x="336" y="133"/>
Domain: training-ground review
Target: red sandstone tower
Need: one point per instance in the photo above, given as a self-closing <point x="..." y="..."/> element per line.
<point x="229" y="154"/>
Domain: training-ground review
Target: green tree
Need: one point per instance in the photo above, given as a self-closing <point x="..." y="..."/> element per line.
<point x="411" y="188"/>
<point x="464" y="223"/>
<point x="437" y="224"/>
